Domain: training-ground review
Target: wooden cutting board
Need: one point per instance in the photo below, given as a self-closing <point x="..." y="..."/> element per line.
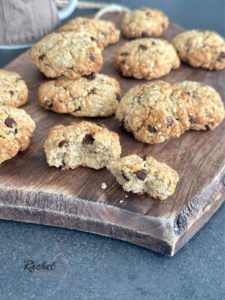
<point x="30" y="191"/>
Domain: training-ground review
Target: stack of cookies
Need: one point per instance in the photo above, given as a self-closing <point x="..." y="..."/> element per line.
<point x="153" y="112"/>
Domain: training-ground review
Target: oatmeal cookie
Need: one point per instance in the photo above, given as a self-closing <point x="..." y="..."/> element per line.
<point x="81" y="144"/>
<point x="104" y="32"/>
<point x="154" y="112"/>
<point x="13" y="89"/>
<point x="16" y="129"/>
<point x="93" y="96"/>
<point x="141" y="176"/>
<point x="201" y="48"/>
<point x="67" y="54"/>
<point x="147" y="58"/>
<point x="144" y="22"/>
<point x="206" y="106"/>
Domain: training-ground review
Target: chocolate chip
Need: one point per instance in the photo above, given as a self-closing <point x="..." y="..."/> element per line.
<point x="152" y="129"/>
<point x="125" y="54"/>
<point x="92" y="91"/>
<point x="192" y="120"/>
<point x="123" y="62"/>
<point x="91" y="76"/>
<point x="62" y="166"/>
<point x="118" y="97"/>
<point x="142" y="174"/>
<point x="93" y="39"/>
<point x="11" y="93"/>
<point x="9" y="122"/>
<point x="41" y="57"/>
<point x="48" y="103"/>
<point x="142" y="47"/>
<point x="92" y="57"/>
<point x="77" y="109"/>
<point x="88" y="139"/>
<point x="221" y="56"/>
<point x="170" y="122"/>
<point x="207" y="128"/>
<point x="125" y="176"/>
<point x="64" y="143"/>
<point x="153" y="43"/>
<point x="144" y="34"/>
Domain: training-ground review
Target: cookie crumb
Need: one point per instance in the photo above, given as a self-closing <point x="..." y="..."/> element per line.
<point x="104" y="185"/>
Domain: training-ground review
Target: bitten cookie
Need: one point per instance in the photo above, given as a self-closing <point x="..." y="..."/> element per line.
<point x="201" y="48"/>
<point x="147" y="58"/>
<point x="13" y="89"/>
<point x="81" y="144"/>
<point x="154" y="112"/>
<point x="94" y="96"/>
<point x="68" y="53"/>
<point x="144" y="22"/>
<point x="148" y="176"/>
<point x="16" y="129"/>
<point x="104" y="32"/>
<point x="206" y="109"/>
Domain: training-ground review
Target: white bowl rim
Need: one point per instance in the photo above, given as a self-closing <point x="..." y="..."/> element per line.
<point x="14" y="47"/>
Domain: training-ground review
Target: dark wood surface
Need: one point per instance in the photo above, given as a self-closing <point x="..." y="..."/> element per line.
<point x="30" y="191"/>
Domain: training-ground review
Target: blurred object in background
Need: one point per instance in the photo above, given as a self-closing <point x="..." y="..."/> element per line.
<point x="23" y="22"/>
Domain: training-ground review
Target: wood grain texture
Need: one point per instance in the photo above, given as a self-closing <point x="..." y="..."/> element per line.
<point x="30" y="191"/>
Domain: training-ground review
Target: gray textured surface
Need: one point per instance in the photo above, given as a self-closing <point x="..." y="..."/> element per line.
<point x="93" y="267"/>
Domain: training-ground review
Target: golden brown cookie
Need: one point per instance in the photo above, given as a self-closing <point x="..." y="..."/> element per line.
<point x="154" y="112"/>
<point x="13" y="89"/>
<point x="148" y="176"/>
<point x="16" y="129"/>
<point x="147" y="58"/>
<point x="67" y="54"/>
<point x="206" y="109"/>
<point x="201" y="48"/>
<point x="81" y="144"/>
<point x="93" y="96"/>
<point x="144" y="22"/>
<point x="104" y="32"/>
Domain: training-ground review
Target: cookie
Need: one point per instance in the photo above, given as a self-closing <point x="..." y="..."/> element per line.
<point x="147" y="58"/>
<point x="13" y="90"/>
<point x="81" y="144"/>
<point x="206" y="109"/>
<point x="154" y="112"/>
<point x="148" y="176"/>
<point x="16" y="129"/>
<point x="144" y="22"/>
<point x="93" y="96"/>
<point x="201" y="48"/>
<point x="67" y="54"/>
<point x="104" y="32"/>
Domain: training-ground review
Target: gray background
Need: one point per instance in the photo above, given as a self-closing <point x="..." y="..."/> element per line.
<point x="93" y="267"/>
